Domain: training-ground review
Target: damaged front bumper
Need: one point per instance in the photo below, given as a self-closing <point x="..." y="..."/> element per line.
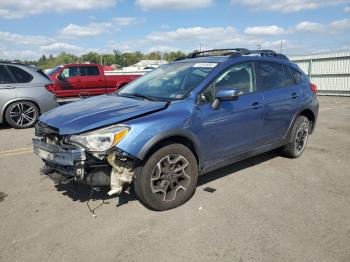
<point x="67" y="163"/>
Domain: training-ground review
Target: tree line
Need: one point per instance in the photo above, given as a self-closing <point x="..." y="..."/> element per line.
<point x="117" y="58"/>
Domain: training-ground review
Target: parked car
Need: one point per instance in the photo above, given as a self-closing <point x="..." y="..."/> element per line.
<point x="74" y="80"/>
<point x="24" y="94"/>
<point x="181" y="120"/>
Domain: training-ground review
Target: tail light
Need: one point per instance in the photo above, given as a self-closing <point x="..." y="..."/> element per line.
<point x="50" y="88"/>
<point x="313" y="88"/>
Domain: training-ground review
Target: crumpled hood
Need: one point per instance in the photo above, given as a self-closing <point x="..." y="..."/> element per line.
<point x="95" y="112"/>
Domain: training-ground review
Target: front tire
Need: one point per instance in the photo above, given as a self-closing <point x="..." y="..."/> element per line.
<point x="298" y="138"/>
<point x="168" y="178"/>
<point x="22" y="114"/>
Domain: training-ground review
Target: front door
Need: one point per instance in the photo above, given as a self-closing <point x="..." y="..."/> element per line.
<point x="69" y="82"/>
<point x="232" y="128"/>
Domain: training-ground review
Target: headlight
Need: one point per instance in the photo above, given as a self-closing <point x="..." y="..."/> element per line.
<point x="100" y="140"/>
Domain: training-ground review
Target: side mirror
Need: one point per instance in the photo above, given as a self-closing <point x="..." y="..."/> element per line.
<point x="225" y="94"/>
<point x="60" y="77"/>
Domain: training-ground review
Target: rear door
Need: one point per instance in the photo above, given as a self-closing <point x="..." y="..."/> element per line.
<point x="7" y="86"/>
<point x="233" y="127"/>
<point x="93" y="81"/>
<point x="281" y="100"/>
<point x="69" y="82"/>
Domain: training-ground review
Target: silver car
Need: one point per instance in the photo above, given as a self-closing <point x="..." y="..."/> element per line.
<point x="25" y="93"/>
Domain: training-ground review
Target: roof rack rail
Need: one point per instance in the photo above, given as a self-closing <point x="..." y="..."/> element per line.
<point x="241" y="51"/>
<point x="234" y="52"/>
<point x="266" y="52"/>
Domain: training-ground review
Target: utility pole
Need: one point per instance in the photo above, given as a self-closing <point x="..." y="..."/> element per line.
<point x="200" y="46"/>
<point x="259" y="46"/>
<point x="281" y="46"/>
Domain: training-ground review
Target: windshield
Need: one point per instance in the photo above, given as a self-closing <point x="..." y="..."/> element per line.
<point x="170" y="82"/>
<point x="52" y="71"/>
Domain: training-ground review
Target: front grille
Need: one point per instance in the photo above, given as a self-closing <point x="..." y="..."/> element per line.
<point x="43" y="130"/>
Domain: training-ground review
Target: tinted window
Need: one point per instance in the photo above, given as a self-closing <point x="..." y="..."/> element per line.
<point x="289" y="78"/>
<point x="272" y="75"/>
<point x="240" y="77"/>
<point x="20" y="75"/>
<point x="70" y="72"/>
<point x="5" y="77"/>
<point x="297" y="76"/>
<point x="89" y="71"/>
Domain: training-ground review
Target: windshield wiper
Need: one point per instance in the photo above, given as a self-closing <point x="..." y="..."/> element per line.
<point x="135" y="95"/>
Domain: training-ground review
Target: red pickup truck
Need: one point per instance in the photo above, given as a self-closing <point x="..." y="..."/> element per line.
<point x="74" y="80"/>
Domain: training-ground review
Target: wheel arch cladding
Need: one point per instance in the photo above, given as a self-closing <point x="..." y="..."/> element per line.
<point x="149" y="149"/>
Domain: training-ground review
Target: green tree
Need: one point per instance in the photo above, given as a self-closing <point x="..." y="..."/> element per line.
<point x="91" y="57"/>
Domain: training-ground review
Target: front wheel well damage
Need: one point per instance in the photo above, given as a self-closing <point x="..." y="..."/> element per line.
<point x="173" y="140"/>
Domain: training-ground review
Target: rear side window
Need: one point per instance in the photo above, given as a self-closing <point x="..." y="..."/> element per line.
<point x="289" y="78"/>
<point x="5" y="77"/>
<point x="272" y="75"/>
<point x="89" y="71"/>
<point x="20" y="75"/>
<point x="297" y="76"/>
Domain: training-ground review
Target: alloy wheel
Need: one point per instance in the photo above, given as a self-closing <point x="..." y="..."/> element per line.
<point x="170" y="177"/>
<point x="23" y="114"/>
<point x="301" y="137"/>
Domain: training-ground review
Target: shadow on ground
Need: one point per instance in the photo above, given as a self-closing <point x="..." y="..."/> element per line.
<point x="82" y="192"/>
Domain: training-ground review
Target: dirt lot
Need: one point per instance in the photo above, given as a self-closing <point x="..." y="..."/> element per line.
<point x="267" y="208"/>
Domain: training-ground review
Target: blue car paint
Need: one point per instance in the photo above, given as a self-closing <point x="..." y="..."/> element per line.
<point x="253" y="121"/>
<point x="88" y="114"/>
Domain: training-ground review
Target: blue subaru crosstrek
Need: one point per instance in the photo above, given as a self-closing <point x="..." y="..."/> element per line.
<point x="184" y="119"/>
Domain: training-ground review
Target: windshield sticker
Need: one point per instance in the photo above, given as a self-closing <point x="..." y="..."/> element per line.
<point x="207" y="65"/>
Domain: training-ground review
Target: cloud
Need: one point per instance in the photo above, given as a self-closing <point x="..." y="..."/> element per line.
<point x="18" y="54"/>
<point x="17" y="39"/>
<point x="173" y="4"/>
<point x="125" y="21"/>
<point x="14" y="9"/>
<point x="334" y="27"/>
<point x="307" y="26"/>
<point x="347" y="9"/>
<point x="90" y="30"/>
<point x="191" y="34"/>
<point x="264" y="30"/>
<point x="72" y="31"/>
<point x="287" y="6"/>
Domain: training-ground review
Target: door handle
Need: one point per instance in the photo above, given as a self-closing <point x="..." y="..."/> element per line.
<point x="294" y="95"/>
<point x="256" y="105"/>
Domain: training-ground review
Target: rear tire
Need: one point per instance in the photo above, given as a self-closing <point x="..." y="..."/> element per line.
<point x="298" y="138"/>
<point x="168" y="178"/>
<point x="22" y="114"/>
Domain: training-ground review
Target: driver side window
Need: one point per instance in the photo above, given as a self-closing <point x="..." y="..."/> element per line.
<point x="240" y="77"/>
<point x="69" y="72"/>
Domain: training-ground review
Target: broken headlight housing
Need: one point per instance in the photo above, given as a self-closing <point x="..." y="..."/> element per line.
<point x="100" y="140"/>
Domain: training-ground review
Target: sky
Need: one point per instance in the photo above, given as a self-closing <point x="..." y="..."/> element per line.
<point x="31" y="28"/>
